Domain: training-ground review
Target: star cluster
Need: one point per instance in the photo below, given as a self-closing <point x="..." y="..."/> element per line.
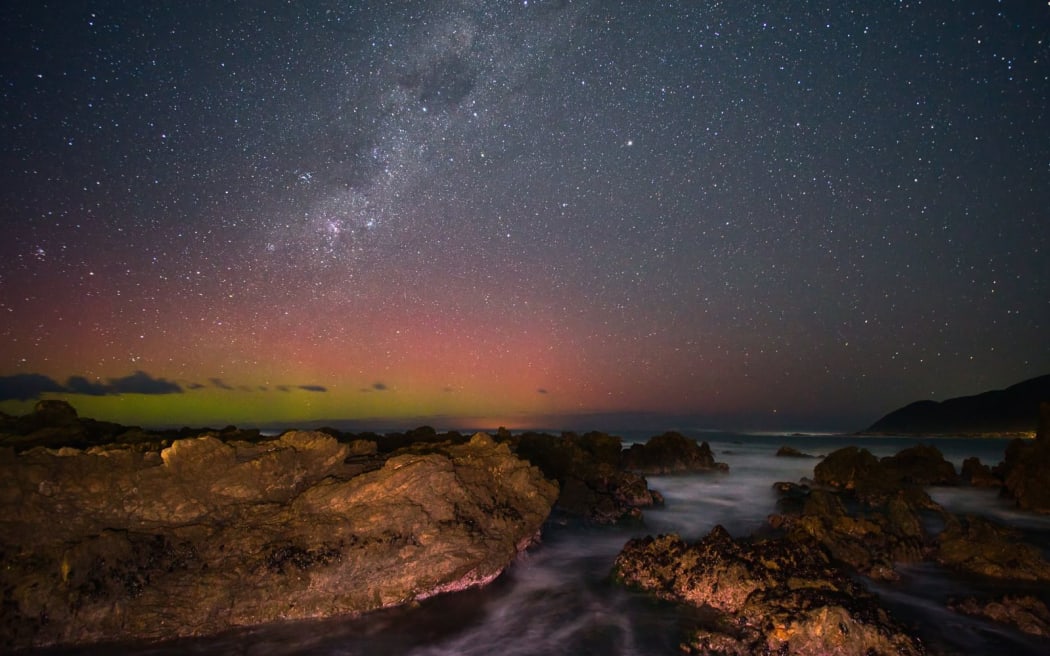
<point x="800" y="213"/>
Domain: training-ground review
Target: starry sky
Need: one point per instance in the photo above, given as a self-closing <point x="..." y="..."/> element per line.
<point x="543" y="213"/>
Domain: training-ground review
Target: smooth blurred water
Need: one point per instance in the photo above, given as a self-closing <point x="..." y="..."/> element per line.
<point x="558" y="598"/>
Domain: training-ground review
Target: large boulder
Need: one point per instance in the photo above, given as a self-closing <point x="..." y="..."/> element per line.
<point x="762" y="597"/>
<point x="671" y="453"/>
<point x="1026" y="468"/>
<point x="847" y="468"/>
<point x="978" y="474"/>
<point x="870" y="539"/>
<point x="868" y="513"/>
<point x="922" y="464"/>
<point x="594" y="487"/>
<point x="857" y="471"/>
<point x="207" y="535"/>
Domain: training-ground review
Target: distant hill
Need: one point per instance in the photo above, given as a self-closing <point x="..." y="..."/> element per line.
<point x="1014" y="409"/>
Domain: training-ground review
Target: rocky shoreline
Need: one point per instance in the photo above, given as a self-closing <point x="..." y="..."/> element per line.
<point x="115" y="533"/>
<point x="111" y="533"/>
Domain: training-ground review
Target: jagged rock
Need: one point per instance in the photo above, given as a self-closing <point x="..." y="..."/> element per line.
<point x="55" y="424"/>
<point x="205" y="535"/>
<point x="765" y="596"/>
<point x="870" y="539"/>
<point x="920" y="465"/>
<point x="846" y="468"/>
<point x="977" y="474"/>
<point x="593" y="486"/>
<point x="868" y="513"/>
<point x="1026" y="468"/>
<point x="862" y="474"/>
<point x="1023" y="612"/>
<point x="671" y="453"/>
<point x="422" y="435"/>
<point x="978" y="546"/>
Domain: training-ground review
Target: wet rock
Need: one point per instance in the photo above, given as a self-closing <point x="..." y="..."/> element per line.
<point x="862" y="474"/>
<point x="791" y="452"/>
<point x="868" y="513"/>
<point x="593" y="485"/>
<point x="847" y="468"/>
<point x="978" y="546"/>
<point x="764" y="596"/>
<point x="1022" y="612"/>
<point x="671" y="453"/>
<point x="1026" y="468"/>
<point x="977" y="474"/>
<point x="205" y="535"/>
<point x="870" y="539"/>
<point x="920" y="465"/>
<point x="791" y="498"/>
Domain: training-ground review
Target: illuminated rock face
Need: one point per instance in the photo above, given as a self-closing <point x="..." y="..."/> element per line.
<point x="119" y="543"/>
<point x="762" y="596"/>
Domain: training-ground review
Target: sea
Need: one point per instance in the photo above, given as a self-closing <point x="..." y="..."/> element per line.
<point x="558" y="599"/>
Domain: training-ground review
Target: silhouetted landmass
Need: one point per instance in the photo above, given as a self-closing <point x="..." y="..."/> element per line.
<point x="1012" y="410"/>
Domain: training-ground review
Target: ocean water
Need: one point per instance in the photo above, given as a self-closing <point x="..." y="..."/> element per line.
<point x="558" y="599"/>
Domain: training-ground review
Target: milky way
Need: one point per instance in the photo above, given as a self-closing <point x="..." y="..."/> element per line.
<point x="531" y="213"/>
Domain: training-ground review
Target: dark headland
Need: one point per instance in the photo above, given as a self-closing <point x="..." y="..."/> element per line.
<point x="1010" y="411"/>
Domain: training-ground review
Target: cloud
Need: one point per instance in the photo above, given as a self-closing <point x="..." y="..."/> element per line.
<point x="142" y="383"/>
<point x="220" y="383"/>
<point x="81" y="385"/>
<point x="283" y="388"/>
<point x="313" y="388"/>
<point x="195" y="386"/>
<point x="23" y="387"/>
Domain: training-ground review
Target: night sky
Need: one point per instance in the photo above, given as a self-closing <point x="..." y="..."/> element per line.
<point x="688" y="214"/>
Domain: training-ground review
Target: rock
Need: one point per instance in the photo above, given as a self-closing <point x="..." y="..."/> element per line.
<point x="55" y="424"/>
<point x="1023" y="612"/>
<point x="920" y="465"/>
<point x="978" y="546"/>
<point x="593" y="486"/>
<point x="205" y="536"/>
<point x="765" y="596"/>
<point x="791" y="452"/>
<point x="857" y="471"/>
<point x="50" y="412"/>
<point x="867" y="512"/>
<point x="870" y="539"/>
<point x="977" y="474"/>
<point x="1026" y="468"/>
<point x="422" y="435"/>
<point x="671" y="453"/>
<point x="846" y="468"/>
